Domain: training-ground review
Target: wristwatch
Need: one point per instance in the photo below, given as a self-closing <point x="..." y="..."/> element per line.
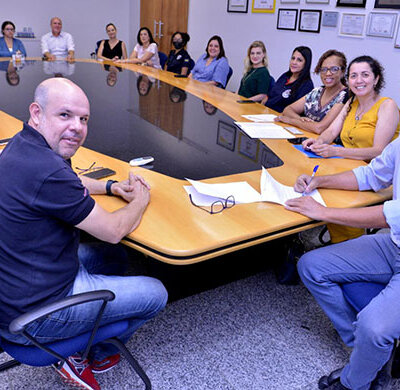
<point x="108" y="187"/>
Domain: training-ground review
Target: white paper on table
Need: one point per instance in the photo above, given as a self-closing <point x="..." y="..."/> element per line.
<point x="260" y="117"/>
<point x="204" y="194"/>
<point x="242" y="191"/>
<point x="273" y="191"/>
<point x="264" y="130"/>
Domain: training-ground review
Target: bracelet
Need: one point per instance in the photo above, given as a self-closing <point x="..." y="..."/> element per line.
<point x="108" y="187"/>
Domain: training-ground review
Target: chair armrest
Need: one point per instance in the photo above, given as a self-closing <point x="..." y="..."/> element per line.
<point x="19" y="324"/>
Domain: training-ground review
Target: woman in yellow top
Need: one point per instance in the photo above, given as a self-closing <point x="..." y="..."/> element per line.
<point x="366" y="124"/>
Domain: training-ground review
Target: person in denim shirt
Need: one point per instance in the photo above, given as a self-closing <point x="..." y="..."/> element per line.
<point x="8" y="44"/>
<point x="376" y="258"/>
<point x="212" y="67"/>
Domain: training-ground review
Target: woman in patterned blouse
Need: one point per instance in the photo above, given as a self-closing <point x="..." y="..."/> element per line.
<point x="315" y="111"/>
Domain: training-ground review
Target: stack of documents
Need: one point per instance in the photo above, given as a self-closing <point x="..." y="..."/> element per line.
<point x="260" y="117"/>
<point x="263" y="130"/>
<point x="204" y="194"/>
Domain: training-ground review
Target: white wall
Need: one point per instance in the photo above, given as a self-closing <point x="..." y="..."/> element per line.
<point x="238" y="30"/>
<point x="86" y="20"/>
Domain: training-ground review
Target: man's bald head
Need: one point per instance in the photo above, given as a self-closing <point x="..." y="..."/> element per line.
<point x="60" y="113"/>
<point x="56" y="85"/>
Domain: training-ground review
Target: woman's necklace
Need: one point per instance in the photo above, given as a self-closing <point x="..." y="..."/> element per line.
<point x="362" y="111"/>
<point x="249" y="74"/>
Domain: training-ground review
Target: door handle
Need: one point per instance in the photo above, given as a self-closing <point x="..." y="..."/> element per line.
<point x="160" y="34"/>
<point x="155" y="29"/>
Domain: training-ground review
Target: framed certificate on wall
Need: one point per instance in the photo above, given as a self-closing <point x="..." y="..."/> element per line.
<point x="352" y="25"/>
<point x="381" y="24"/>
<point x="330" y="18"/>
<point x="238" y="6"/>
<point x="351" y="3"/>
<point x="287" y="19"/>
<point x="310" y="20"/>
<point x="263" y="6"/>
<point x="387" y="3"/>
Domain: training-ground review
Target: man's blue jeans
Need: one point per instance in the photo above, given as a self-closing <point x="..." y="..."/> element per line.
<point x="137" y="298"/>
<point x="373" y="331"/>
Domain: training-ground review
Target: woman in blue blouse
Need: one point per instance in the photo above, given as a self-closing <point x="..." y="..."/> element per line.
<point x="212" y="67"/>
<point x="293" y="84"/>
<point x="8" y="44"/>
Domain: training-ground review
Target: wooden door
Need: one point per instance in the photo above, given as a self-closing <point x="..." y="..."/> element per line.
<point x="163" y="18"/>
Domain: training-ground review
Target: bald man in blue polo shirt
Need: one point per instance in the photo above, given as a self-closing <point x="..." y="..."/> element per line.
<point x="42" y="207"/>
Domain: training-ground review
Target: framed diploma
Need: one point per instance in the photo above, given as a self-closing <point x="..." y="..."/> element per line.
<point x="238" y="6"/>
<point x="330" y="18"/>
<point x="263" y="6"/>
<point x="287" y="19"/>
<point x="290" y="1"/>
<point x="381" y="24"/>
<point x="387" y="3"/>
<point x="351" y="3"/>
<point x="310" y="20"/>
<point x="352" y="25"/>
<point x="317" y="1"/>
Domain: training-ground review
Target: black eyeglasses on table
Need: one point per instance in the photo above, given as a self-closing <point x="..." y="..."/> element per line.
<point x="218" y="206"/>
<point x="91" y="168"/>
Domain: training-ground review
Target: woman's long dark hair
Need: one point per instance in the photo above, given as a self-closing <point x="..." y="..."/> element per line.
<point x="305" y="73"/>
<point x="148" y="32"/>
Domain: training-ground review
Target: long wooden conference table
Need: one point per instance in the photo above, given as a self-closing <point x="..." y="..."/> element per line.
<point x="173" y="230"/>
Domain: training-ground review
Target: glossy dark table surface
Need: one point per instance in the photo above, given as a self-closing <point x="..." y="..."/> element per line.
<point x="134" y="116"/>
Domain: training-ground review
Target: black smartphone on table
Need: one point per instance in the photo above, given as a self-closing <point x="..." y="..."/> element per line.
<point x="100" y="173"/>
<point x="181" y="76"/>
<point x="297" y="141"/>
<point x="244" y="101"/>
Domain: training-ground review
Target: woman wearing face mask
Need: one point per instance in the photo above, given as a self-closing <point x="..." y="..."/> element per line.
<point x="179" y="59"/>
<point x="294" y="83"/>
<point x="255" y="82"/>
<point x="315" y="111"/>
<point x="112" y="48"/>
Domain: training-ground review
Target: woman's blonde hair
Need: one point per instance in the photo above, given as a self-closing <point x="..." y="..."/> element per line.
<point x="247" y="63"/>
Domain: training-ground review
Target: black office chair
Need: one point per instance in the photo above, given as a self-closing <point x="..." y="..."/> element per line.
<point x="191" y="64"/>
<point x="271" y="84"/>
<point x="230" y="73"/>
<point x="93" y="54"/>
<point x="46" y="354"/>
<point x="163" y="59"/>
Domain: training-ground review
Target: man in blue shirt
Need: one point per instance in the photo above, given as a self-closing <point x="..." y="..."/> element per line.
<point x="376" y="258"/>
<point x="42" y="207"/>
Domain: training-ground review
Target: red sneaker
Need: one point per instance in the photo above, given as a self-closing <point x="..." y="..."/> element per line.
<point x="106" y="364"/>
<point x="77" y="373"/>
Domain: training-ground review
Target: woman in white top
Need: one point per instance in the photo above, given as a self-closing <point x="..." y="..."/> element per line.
<point x="145" y="51"/>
